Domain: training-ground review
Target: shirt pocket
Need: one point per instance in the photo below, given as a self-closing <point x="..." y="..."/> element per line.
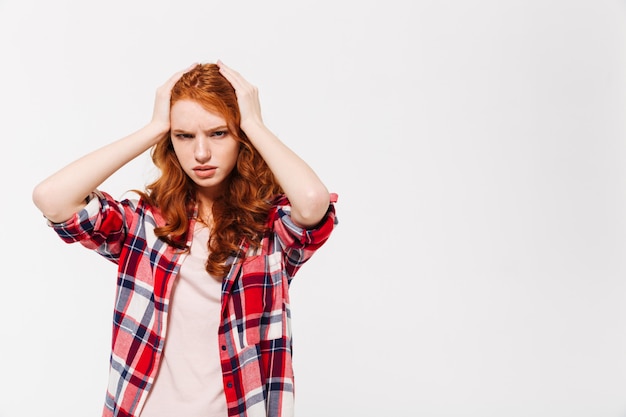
<point x="263" y="308"/>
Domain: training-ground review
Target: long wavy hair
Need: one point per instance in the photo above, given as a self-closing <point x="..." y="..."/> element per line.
<point x="240" y="214"/>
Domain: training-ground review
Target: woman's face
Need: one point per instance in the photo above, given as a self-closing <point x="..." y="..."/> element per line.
<point x="205" y="148"/>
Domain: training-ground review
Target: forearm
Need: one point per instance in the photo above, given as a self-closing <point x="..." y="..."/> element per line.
<point x="307" y="194"/>
<point x="64" y="192"/>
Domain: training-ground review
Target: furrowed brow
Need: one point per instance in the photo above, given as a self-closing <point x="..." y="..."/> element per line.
<point x="215" y="129"/>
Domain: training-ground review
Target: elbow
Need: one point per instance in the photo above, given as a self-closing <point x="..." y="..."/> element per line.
<point x="45" y="198"/>
<point x="39" y="196"/>
<point x="42" y="197"/>
<point x="313" y="208"/>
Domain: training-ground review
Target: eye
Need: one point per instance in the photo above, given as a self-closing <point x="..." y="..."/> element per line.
<point x="219" y="133"/>
<point x="183" y="136"/>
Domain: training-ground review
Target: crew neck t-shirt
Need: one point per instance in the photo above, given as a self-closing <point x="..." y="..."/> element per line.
<point x="189" y="381"/>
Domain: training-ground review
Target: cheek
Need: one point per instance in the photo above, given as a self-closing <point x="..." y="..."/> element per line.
<point x="231" y="151"/>
<point x="179" y="153"/>
<point x="176" y="151"/>
<point x="235" y="154"/>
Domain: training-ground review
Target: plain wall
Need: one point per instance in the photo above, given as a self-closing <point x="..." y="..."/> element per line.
<point x="478" y="152"/>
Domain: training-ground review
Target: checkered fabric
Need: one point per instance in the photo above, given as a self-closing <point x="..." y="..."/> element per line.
<point x="255" y="332"/>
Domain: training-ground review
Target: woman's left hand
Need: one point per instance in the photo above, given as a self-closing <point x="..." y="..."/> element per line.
<point x="247" y="96"/>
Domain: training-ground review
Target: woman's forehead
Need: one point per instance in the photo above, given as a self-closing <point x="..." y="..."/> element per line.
<point x="190" y="113"/>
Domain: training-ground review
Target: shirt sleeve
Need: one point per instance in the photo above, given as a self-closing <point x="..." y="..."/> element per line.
<point x="299" y="244"/>
<point x="102" y="225"/>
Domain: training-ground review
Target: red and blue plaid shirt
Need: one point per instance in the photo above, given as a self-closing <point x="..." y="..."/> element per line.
<point x="255" y="331"/>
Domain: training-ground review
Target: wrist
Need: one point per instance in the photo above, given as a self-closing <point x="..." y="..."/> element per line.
<point x="155" y="131"/>
<point x="252" y="127"/>
<point x="157" y="128"/>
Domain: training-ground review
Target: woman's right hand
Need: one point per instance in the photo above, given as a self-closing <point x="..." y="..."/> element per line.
<point x="161" y="112"/>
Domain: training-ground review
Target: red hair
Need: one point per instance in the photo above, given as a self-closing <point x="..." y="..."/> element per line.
<point x="241" y="212"/>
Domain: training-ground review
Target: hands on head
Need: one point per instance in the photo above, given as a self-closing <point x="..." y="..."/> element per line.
<point x="63" y="193"/>
<point x="247" y="97"/>
<point x="161" y="112"/>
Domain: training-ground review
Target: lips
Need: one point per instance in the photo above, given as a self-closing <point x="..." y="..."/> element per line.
<point x="204" y="171"/>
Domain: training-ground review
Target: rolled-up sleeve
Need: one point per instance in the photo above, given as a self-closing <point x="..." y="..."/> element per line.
<point x="298" y="243"/>
<point x="100" y="225"/>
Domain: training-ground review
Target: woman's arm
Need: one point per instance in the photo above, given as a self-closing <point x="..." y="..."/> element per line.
<point x="64" y="192"/>
<point x="307" y="195"/>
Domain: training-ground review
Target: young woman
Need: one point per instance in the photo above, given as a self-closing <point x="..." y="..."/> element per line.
<point x="205" y="255"/>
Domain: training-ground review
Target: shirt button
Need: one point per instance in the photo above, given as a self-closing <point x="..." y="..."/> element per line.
<point x="223" y="347"/>
<point x="229" y="385"/>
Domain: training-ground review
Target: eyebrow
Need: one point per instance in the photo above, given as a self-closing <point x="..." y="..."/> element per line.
<point x="214" y="129"/>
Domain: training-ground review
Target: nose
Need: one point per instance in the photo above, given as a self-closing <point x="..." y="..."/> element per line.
<point x="202" y="150"/>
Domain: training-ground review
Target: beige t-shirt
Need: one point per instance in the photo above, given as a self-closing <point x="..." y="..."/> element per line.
<point x="189" y="381"/>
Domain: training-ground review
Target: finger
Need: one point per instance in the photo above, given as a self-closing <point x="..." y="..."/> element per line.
<point x="232" y="76"/>
<point x="223" y="66"/>
<point x="176" y="76"/>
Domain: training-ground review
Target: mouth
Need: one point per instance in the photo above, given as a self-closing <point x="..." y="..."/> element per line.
<point x="205" y="171"/>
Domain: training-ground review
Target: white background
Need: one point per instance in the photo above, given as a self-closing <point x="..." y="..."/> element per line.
<point x="478" y="150"/>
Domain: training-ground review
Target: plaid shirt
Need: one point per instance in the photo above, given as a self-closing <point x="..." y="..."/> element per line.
<point x="255" y="331"/>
